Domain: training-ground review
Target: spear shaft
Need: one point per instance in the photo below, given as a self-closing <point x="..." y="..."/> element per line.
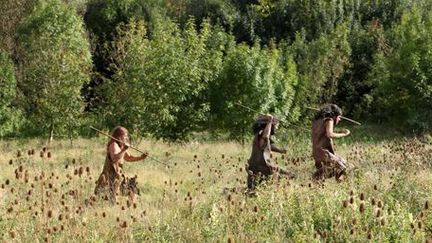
<point x="250" y="109"/>
<point x="345" y="118"/>
<point x="115" y="139"/>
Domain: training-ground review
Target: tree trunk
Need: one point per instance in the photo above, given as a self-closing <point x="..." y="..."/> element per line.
<point x="51" y="136"/>
<point x="70" y="133"/>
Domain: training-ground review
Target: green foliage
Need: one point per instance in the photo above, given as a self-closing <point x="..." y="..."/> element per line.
<point x="320" y="65"/>
<point x="354" y="88"/>
<point x="12" y="12"/>
<point x="282" y="19"/>
<point x="220" y="12"/>
<point x="256" y="78"/>
<point x="159" y="82"/>
<point x="103" y="16"/>
<point x="191" y="60"/>
<point x="403" y="76"/>
<point x="54" y="63"/>
<point x="9" y="115"/>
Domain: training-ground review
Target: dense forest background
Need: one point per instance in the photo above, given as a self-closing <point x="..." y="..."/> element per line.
<point x="169" y="68"/>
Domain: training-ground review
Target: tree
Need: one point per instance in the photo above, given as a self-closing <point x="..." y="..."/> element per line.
<point x="55" y="62"/>
<point x="354" y="91"/>
<point x="11" y="13"/>
<point x="320" y="65"/>
<point x="159" y="83"/>
<point x="220" y="12"/>
<point x="254" y="77"/>
<point x="403" y="76"/>
<point x="9" y="115"/>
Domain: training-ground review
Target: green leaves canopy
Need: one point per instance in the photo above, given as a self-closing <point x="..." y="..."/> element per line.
<point x="55" y="63"/>
<point x="159" y="82"/>
<point x="9" y="115"/>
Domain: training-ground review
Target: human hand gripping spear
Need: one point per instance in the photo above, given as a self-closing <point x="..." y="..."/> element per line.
<point x="115" y="139"/>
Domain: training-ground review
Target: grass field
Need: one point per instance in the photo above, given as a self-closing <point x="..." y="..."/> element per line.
<point x="200" y="197"/>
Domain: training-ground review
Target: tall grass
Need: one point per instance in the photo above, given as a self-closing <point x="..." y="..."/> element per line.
<point x="200" y="197"/>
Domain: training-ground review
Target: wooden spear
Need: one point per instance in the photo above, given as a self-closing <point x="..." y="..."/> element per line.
<point x="115" y="139"/>
<point x="250" y="109"/>
<point x="345" y="118"/>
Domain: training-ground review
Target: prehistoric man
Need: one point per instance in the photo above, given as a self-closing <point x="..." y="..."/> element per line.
<point x="259" y="166"/>
<point x="112" y="181"/>
<point x="327" y="163"/>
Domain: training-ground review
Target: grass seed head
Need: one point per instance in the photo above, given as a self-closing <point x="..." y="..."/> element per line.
<point x="362" y="207"/>
<point x="383" y="222"/>
<point x="345" y="203"/>
<point x="378" y="213"/>
<point x="380" y="204"/>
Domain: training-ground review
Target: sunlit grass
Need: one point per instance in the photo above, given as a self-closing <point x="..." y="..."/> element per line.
<point x="200" y="196"/>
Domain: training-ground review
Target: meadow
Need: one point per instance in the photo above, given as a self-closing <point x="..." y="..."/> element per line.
<point x="47" y="194"/>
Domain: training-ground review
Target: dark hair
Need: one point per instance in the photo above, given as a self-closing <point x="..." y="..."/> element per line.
<point x="328" y="111"/>
<point x="260" y="124"/>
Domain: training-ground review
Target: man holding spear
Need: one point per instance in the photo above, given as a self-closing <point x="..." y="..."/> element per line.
<point x="327" y="163"/>
<point x="259" y="166"/>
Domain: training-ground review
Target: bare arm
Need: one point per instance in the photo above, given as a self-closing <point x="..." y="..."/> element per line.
<point x="331" y="134"/>
<point x="278" y="150"/>
<point x="266" y="132"/>
<point x="128" y="157"/>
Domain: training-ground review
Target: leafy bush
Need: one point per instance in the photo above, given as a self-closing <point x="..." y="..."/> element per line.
<point x="10" y="116"/>
<point x="54" y="63"/>
<point x="403" y="77"/>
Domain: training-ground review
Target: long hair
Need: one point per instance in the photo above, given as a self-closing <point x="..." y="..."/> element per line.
<point x="328" y="111"/>
<point x="260" y="124"/>
<point x="117" y="133"/>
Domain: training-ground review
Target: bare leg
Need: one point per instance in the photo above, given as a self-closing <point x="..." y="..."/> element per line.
<point x="283" y="172"/>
